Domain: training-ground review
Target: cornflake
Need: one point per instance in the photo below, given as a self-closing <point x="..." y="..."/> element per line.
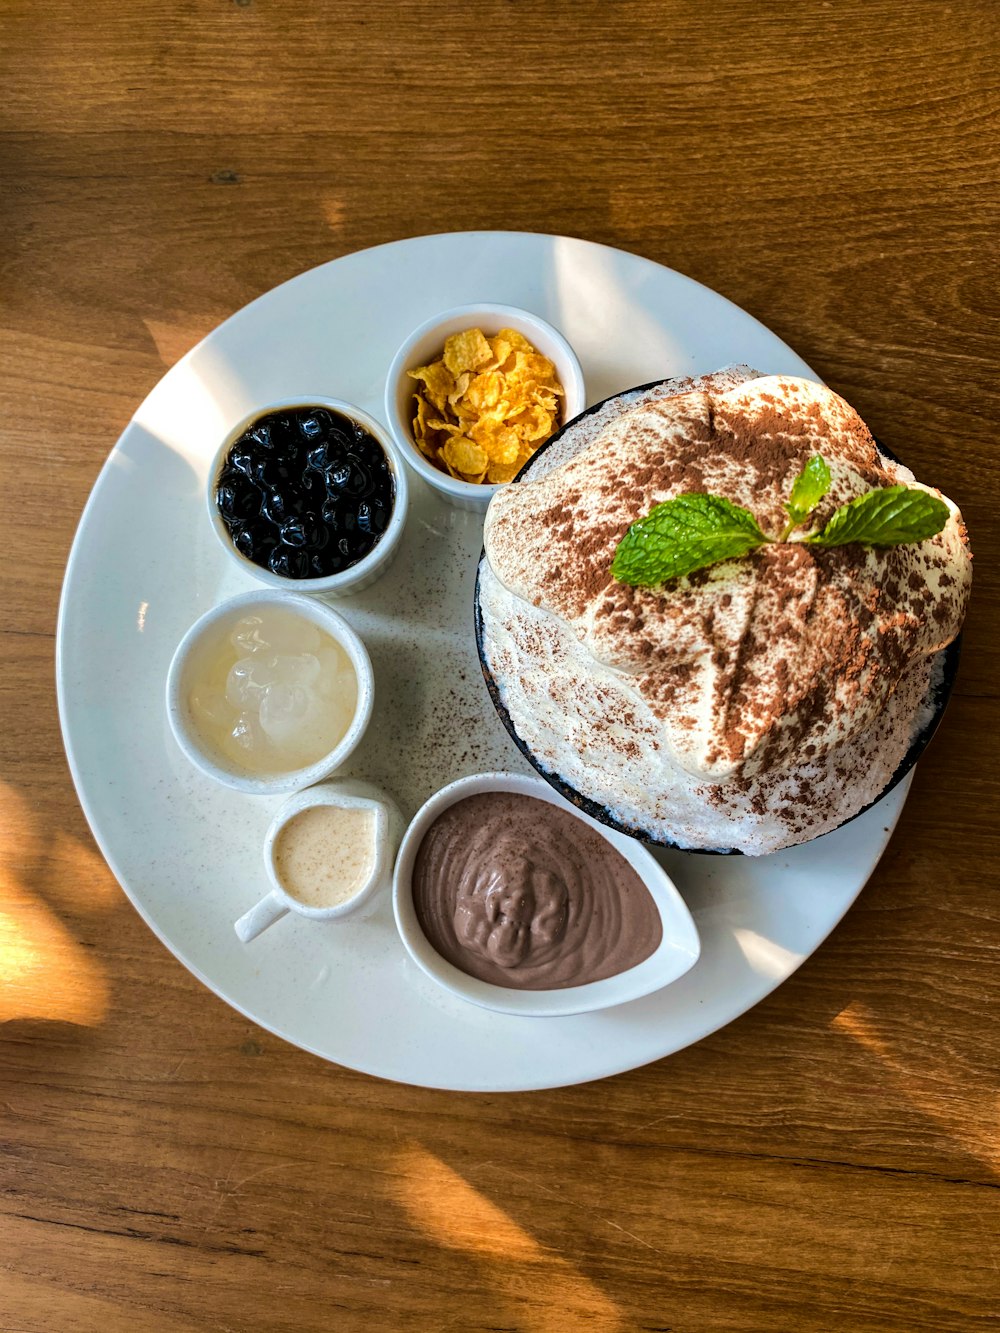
<point x="485" y="405"/>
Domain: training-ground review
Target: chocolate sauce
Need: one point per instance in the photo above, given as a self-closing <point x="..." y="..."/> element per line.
<point x="520" y="893"/>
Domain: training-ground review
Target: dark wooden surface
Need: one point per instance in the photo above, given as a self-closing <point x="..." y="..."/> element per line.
<point x="828" y="1162"/>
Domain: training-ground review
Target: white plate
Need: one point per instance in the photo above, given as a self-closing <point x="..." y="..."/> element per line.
<point x="145" y="564"/>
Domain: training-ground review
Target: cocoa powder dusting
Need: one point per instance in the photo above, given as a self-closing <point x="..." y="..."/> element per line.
<point x="785" y="646"/>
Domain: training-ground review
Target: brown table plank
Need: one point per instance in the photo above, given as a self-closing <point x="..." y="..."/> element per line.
<point x="831" y="1160"/>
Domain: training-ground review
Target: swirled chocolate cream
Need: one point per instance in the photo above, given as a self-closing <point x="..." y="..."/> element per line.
<point x="766" y="696"/>
<point x="520" y="893"/>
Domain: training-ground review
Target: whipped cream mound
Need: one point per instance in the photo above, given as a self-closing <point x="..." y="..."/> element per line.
<point x="751" y="705"/>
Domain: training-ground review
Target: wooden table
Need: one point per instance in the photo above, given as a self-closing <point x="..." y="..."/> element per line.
<point x="828" y="1162"/>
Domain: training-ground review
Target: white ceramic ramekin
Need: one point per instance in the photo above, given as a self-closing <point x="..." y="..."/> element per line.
<point x="677" y="953"/>
<point x="426" y="344"/>
<point x="341" y="794"/>
<point x="378" y="559"/>
<point x="180" y="681"/>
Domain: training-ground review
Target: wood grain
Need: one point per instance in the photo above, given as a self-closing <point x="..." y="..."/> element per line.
<point x="831" y="1160"/>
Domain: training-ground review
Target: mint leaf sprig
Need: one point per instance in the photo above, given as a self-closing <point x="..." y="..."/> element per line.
<point x="891" y="516"/>
<point x="683" y="535"/>
<point x="697" y="530"/>
<point x="808" y="489"/>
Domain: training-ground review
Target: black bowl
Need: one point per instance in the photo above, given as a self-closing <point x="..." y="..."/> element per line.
<point x="941" y="690"/>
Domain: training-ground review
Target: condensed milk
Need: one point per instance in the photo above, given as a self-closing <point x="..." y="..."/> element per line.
<point x="326" y="854"/>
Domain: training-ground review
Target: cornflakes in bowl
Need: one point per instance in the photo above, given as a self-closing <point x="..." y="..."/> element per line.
<point x="473" y="393"/>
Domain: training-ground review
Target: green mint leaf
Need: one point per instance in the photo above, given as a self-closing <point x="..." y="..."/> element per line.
<point x="886" y="517"/>
<point x="682" y="535"/>
<point x="810" y="486"/>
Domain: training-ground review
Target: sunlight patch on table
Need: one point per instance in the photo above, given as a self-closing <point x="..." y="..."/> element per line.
<point x="551" y="1295"/>
<point x="174" y="337"/>
<point x="44" y="973"/>
<point x="334" y="210"/>
<point x="970" y="1118"/>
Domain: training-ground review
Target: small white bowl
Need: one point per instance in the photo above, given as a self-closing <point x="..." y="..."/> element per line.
<point x="426" y="344"/>
<point x="378" y="559"/>
<point x="179" y="683"/>
<point x="341" y="794"/>
<point x="678" y="951"/>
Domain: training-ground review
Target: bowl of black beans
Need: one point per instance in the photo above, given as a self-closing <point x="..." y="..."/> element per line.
<point x="310" y="492"/>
